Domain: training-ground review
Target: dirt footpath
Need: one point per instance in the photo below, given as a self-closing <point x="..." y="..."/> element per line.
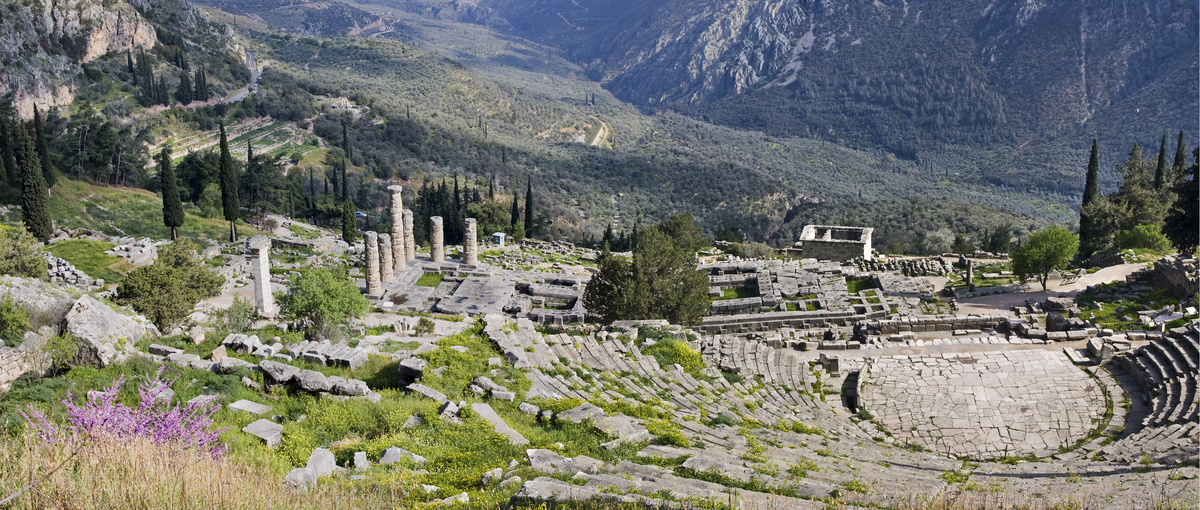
<point x="1005" y="302"/>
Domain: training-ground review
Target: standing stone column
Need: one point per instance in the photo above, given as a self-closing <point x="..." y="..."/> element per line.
<point x="410" y="240"/>
<point x="437" y="251"/>
<point x="260" y="268"/>
<point x="399" y="258"/>
<point x="470" y="246"/>
<point x="371" y="254"/>
<point x="385" y="258"/>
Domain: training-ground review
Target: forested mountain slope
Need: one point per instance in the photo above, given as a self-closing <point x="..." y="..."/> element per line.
<point x="909" y="77"/>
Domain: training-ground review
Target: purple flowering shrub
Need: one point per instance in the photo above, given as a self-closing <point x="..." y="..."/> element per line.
<point x="155" y="418"/>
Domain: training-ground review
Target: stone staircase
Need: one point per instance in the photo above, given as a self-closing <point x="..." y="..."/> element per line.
<point x="1161" y="379"/>
<point x="1166" y="371"/>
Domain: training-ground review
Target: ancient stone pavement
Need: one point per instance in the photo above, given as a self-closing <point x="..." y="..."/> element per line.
<point x="983" y="404"/>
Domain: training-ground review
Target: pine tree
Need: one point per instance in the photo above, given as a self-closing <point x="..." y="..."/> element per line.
<point x="43" y="150"/>
<point x="172" y="207"/>
<point x="1160" y="171"/>
<point x="1182" y="224"/>
<point x="1180" y="158"/>
<point x="229" y="186"/>
<point x="33" y="189"/>
<point x="529" y="227"/>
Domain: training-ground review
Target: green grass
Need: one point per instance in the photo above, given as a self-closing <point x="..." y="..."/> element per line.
<point x="304" y="233"/>
<point x="856" y="285"/>
<point x="430" y="280"/>
<point x="89" y="257"/>
<point x="131" y="212"/>
<point x="736" y="293"/>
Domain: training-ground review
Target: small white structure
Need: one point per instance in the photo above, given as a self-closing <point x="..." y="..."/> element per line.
<point x="498" y="239"/>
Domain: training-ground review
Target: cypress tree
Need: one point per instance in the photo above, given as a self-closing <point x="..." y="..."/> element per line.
<point x="345" y="182"/>
<point x="513" y="214"/>
<point x="172" y="207"/>
<point x="349" y="224"/>
<point x="164" y="96"/>
<point x="9" y="154"/>
<point x="129" y="64"/>
<point x="229" y="187"/>
<point x="529" y="207"/>
<point x="1180" y="158"/>
<point x="33" y="190"/>
<point x="251" y="173"/>
<point x="1160" y="171"/>
<point x="492" y="188"/>
<point x="1091" y="186"/>
<point x="457" y="196"/>
<point x="43" y="150"/>
<point x="184" y="92"/>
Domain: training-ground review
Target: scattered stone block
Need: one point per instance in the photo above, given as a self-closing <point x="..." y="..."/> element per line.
<point x="270" y="432"/>
<point x="583" y="412"/>
<point x="162" y="350"/>
<point x="528" y="408"/>
<point x="427" y="392"/>
<point x="250" y="407"/>
<point x="351" y="388"/>
<point x="300" y="479"/>
<point x="231" y="365"/>
<point x="312" y="381"/>
<point x="396" y="454"/>
<point x="488" y="414"/>
<point x="412" y="369"/>
<point x="360" y="461"/>
<point x="280" y="373"/>
<point x="322" y="462"/>
<point x="491" y="476"/>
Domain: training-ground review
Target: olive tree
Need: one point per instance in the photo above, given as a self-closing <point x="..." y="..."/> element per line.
<point x="1046" y="250"/>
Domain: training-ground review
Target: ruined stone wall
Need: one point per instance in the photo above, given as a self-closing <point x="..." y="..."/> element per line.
<point x="744" y="323"/>
<point x="1178" y="276"/>
<point x="835" y="250"/>
<point x="14" y="362"/>
<point x="937" y="323"/>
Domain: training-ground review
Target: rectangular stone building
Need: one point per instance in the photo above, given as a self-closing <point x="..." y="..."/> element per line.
<point x="823" y="242"/>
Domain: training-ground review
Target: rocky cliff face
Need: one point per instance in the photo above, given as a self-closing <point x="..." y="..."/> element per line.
<point x="43" y="45"/>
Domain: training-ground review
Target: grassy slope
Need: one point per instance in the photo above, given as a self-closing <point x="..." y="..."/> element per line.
<point x="125" y="211"/>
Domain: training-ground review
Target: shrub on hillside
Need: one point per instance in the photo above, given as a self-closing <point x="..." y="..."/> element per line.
<point x="21" y="254"/>
<point x="167" y="290"/>
<point x="323" y="299"/>
<point x="1149" y="237"/>
<point x="14" y="322"/>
